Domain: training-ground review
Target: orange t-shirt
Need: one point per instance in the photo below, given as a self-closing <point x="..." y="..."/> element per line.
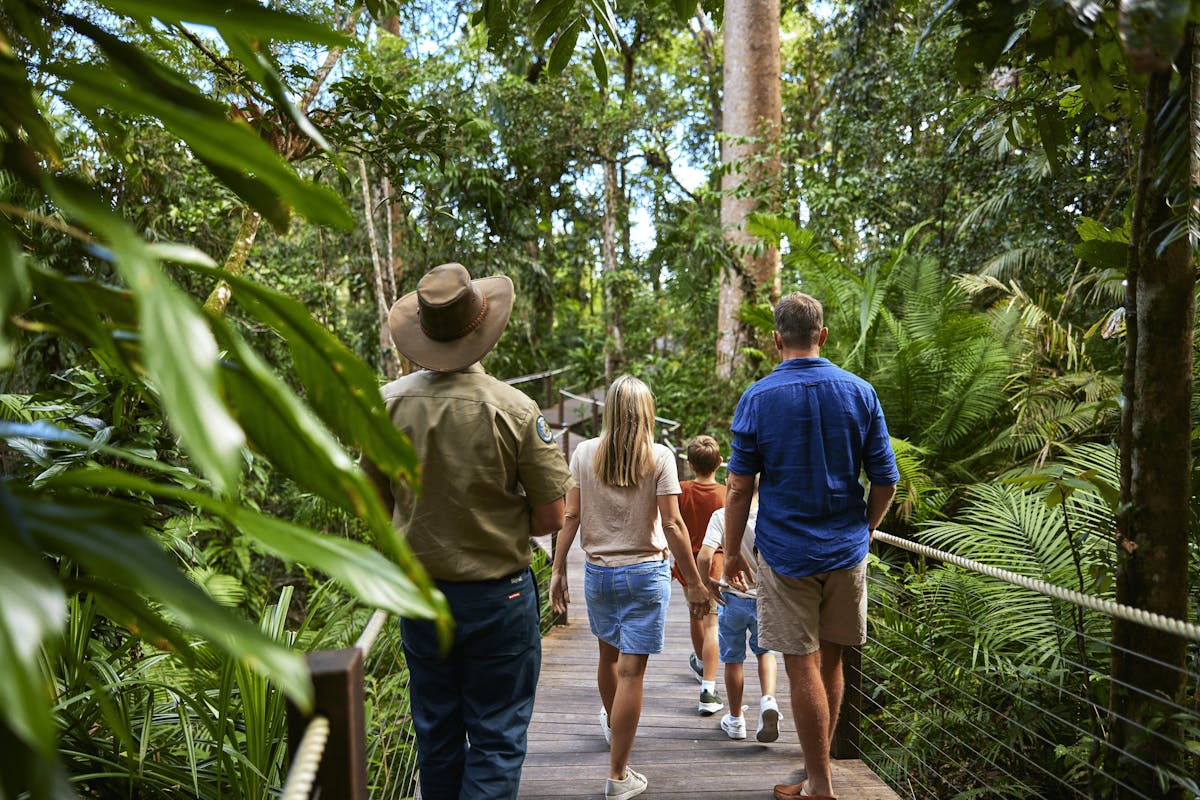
<point x="697" y="502"/>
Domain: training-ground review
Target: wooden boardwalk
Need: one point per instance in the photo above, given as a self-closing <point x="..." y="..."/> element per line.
<point x="682" y="754"/>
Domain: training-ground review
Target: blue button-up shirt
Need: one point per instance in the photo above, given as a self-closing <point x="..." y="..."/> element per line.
<point x="808" y="429"/>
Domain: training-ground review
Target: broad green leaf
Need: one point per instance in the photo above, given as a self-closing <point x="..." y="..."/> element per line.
<point x="338" y="385"/>
<point x="231" y="145"/>
<point x="15" y="289"/>
<point x="552" y="14"/>
<point x="179" y="350"/>
<point x="282" y="428"/>
<point x="564" y="45"/>
<point x="99" y="317"/>
<point x="105" y="538"/>
<point x="363" y="571"/>
<point x="31" y="618"/>
<point x="247" y="17"/>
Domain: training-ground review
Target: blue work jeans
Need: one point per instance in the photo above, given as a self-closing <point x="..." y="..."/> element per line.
<point x="471" y="708"/>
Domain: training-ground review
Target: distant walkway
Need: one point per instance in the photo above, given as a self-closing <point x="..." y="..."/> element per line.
<point x="682" y="754"/>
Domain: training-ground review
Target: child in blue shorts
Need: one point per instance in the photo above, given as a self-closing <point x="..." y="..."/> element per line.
<point x="737" y="617"/>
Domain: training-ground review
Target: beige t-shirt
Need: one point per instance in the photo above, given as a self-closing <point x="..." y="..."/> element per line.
<point x="620" y="526"/>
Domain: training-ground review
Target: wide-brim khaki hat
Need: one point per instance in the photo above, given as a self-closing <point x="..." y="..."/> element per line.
<point x="451" y="321"/>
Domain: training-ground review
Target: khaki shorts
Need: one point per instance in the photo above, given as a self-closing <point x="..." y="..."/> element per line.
<point x="796" y="614"/>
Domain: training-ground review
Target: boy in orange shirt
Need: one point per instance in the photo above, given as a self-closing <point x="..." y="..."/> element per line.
<point x="700" y="498"/>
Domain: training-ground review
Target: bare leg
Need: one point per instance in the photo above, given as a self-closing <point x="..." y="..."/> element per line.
<point x="810" y="709"/>
<point x="767" y="670"/>
<point x="626" y="711"/>
<point x="606" y="674"/>
<point x="710" y="651"/>
<point x="734" y="675"/>
<point x="696" y="629"/>
<point x="832" y="678"/>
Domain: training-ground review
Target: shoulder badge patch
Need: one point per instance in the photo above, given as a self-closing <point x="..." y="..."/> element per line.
<point x="543" y="429"/>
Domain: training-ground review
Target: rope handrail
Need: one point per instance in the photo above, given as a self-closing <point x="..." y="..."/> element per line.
<point x="672" y="424"/>
<point x="371" y="632"/>
<point x="303" y="773"/>
<point x="535" y="376"/>
<point x="1149" y="619"/>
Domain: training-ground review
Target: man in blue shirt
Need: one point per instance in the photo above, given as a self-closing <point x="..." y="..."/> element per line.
<point x="807" y="430"/>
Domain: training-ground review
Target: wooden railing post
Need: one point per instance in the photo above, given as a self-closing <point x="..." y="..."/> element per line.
<point x="845" y="742"/>
<point x="337" y="677"/>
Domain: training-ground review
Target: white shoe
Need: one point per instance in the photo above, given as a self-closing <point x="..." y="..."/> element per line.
<point x="604" y="726"/>
<point x="633" y="785"/>
<point x="735" y="727"/>
<point x="768" y="719"/>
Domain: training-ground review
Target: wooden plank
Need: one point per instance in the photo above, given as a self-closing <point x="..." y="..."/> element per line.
<point x="681" y="753"/>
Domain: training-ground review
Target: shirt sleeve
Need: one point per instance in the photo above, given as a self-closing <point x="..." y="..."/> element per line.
<point x="540" y="464"/>
<point x="744" y="458"/>
<point x="714" y="535"/>
<point x="879" y="461"/>
<point x="668" y="475"/>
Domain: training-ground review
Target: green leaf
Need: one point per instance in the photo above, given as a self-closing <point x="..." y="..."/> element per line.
<point x="16" y="289"/>
<point x="555" y="12"/>
<point x="564" y="46"/>
<point x="264" y="73"/>
<point x="20" y="116"/>
<point x="1053" y="136"/>
<point x="214" y="139"/>
<point x="363" y="572"/>
<point x="31" y="618"/>
<point x="179" y="350"/>
<point x="100" y="317"/>
<point x="105" y="538"/>
<point x="280" y="426"/>
<point x="338" y="385"/>
<point x="243" y="16"/>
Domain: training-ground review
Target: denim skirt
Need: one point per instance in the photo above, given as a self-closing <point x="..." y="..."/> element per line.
<point x="627" y="606"/>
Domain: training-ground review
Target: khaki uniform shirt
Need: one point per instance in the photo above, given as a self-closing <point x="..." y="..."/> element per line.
<point x="487" y="458"/>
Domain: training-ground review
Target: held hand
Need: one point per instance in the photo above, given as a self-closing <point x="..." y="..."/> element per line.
<point x="714" y="590"/>
<point x="560" y="597"/>
<point x="735" y="571"/>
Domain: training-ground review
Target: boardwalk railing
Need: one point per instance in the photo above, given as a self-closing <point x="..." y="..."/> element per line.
<point x="997" y="684"/>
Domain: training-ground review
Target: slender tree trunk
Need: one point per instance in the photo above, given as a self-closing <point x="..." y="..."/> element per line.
<point x="1152" y="557"/>
<point x="752" y="117"/>
<point x="389" y="362"/>
<point x="613" y="346"/>
<point x="235" y="262"/>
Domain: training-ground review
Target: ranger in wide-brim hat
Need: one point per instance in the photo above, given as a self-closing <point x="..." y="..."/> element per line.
<point x="451" y="321"/>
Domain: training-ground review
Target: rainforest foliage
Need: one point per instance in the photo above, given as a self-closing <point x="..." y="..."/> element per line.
<point x="207" y="209"/>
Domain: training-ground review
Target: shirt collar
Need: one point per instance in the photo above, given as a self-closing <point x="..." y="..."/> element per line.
<point x="801" y="363"/>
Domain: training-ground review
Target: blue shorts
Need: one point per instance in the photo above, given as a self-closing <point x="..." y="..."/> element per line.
<point x="627" y="606"/>
<point x="734" y="619"/>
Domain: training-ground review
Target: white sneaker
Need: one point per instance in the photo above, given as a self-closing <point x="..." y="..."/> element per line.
<point x="604" y="726"/>
<point x="735" y="727"/>
<point x="633" y="785"/>
<point x="768" y="719"/>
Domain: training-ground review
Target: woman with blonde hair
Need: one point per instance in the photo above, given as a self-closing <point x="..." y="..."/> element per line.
<point x="625" y="483"/>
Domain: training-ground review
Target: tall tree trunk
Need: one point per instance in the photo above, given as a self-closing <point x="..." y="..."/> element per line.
<point x="1152" y="557"/>
<point x="752" y="117"/>
<point x="613" y="346"/>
